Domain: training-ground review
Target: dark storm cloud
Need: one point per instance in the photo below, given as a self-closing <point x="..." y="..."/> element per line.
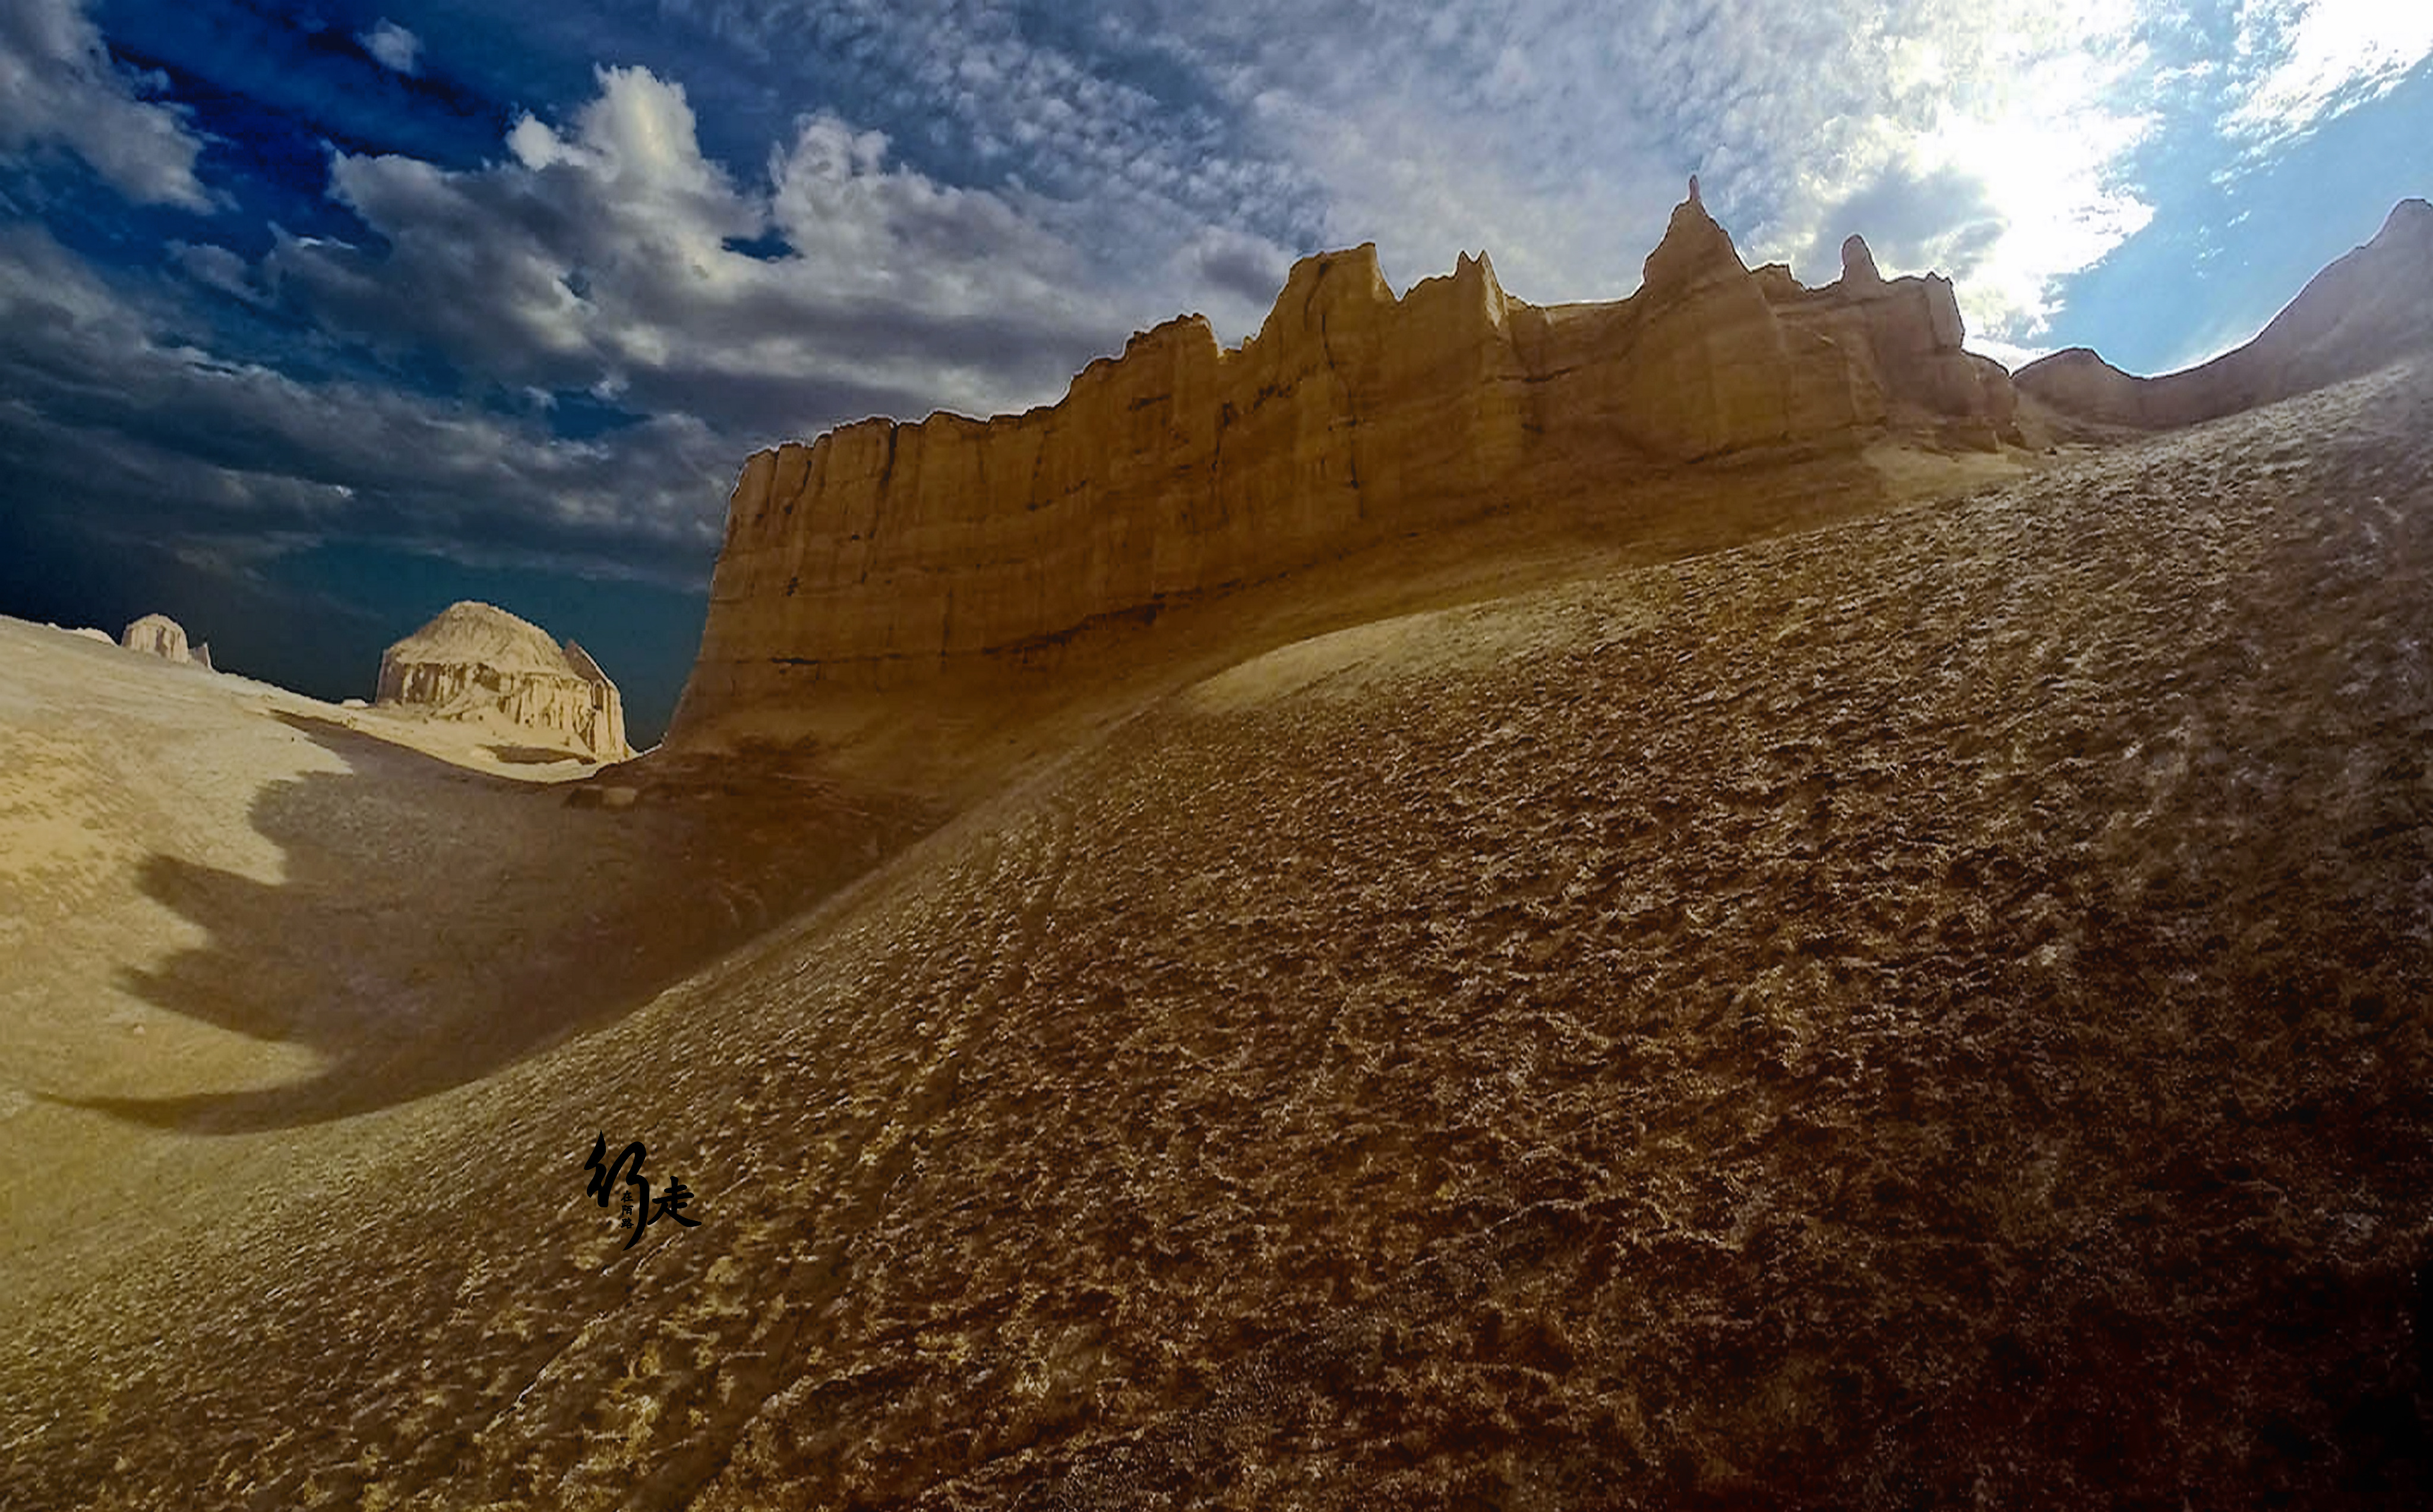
<point x="108" y="414"/>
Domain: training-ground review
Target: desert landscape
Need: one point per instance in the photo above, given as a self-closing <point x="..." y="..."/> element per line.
<point x="1699" y="901"/>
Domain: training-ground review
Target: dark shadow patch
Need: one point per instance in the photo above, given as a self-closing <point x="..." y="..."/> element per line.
<point x="531" y="755"/>
<point x="435" y="925"/>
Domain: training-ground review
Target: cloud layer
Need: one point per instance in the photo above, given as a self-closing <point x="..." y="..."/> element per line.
<point x="60" y="89"/>
<point x="763" y="217"/>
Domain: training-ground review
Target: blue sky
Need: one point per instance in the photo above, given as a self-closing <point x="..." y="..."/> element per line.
<point x="316" y="317"/>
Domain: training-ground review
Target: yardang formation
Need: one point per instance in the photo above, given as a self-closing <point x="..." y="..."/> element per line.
<point x="157" y="635"/>
<point x="483" y="664"/>
<point x="876" y="551"/>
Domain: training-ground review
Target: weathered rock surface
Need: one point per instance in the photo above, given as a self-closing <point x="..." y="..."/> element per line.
<point x="878" y="551"/>
<point x="157" y="635"/>
<point x="2364" y="311"/>
<point x="478" y="662"/>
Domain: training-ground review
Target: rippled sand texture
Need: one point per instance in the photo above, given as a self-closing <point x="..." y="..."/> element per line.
<point x="1930" y="1012"/>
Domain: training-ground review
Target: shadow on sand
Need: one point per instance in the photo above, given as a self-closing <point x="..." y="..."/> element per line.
<point x="435" y="923"/>
<point x="531" y="755"/>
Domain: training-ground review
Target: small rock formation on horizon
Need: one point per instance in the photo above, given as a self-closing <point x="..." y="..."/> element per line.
<point x="157" y="635"/>
<point x="875" y="553"/>
<point x="479" y="663"/>
<point x="2369" y="307"/>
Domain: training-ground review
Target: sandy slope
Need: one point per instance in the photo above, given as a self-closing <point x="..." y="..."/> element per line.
<point x="229" y="912"/>
<point x="1925" y="1012"/>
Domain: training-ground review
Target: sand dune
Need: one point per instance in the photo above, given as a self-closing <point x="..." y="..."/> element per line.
<point x="1923" y="1010"/>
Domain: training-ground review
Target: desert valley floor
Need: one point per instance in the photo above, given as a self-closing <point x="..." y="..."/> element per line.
<point x="1923" y="1009"/>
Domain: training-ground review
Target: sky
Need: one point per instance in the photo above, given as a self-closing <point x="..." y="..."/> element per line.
<point x="316" y="317"/>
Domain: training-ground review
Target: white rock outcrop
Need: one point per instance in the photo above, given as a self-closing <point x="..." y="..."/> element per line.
<point x="157" y="635"/>
<point x="479" y="663"/>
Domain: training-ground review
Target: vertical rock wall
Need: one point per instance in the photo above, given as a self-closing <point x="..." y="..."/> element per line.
<point x="873" y="553"/>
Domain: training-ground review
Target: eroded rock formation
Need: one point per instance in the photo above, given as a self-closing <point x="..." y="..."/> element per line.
<point x="157" y="635"/>
<point x="479" y="663"/>
<point x="2369" y="307"/>
<point x="877" y="550"/>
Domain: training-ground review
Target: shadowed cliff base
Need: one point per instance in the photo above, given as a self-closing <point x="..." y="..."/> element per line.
<point x="960" y="729"/>
<point x="1929" y="1011"/>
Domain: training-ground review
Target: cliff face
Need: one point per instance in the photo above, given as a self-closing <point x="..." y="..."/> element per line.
<point x="479" y="663"/>
<point x="2369" y="307"/>
<point x="871" y="553"/>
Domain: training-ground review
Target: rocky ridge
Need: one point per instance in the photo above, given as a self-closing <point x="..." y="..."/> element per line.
<point x="2369" y="307"/>
<point x="478" y="662"/>
<point x="876" y="553"/>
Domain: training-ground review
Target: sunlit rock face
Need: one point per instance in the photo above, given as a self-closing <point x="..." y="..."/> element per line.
<point x="157" y="635"/>
<point x="2365" y="310"/>
<point x="876" y="553"/>
<point x="479" y="663"/>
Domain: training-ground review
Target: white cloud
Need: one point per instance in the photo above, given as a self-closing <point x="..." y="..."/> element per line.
<point x="1556" y="133"/>
<point x="1987" y="142"/>
<point x="215" y="267"/>
<point x="58" y="87"/>
<point x="2307" y="61"/>
<point x="392" y="46"/>
<point x="612" y="251"/>
<point x="2038" y="136"/>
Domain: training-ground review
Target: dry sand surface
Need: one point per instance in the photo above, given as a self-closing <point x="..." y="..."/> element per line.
<point x="229" y="912"/>
<point x="1928" y="1011"/>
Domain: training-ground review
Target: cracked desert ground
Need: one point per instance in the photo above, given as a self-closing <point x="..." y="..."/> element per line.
<point x="1726" y="996"/>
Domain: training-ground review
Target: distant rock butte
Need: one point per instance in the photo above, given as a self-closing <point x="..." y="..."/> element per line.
<point x="873" y="553"/>
<point x="2370" y="308"/>
<point x="479" y="663"/>
<point x="157" y="635"/>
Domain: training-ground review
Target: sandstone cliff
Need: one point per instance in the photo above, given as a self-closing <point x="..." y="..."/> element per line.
<point x="479" y="663"/>
<point x="874" y="552"/>
<point x="2367" y="309"/>
<point x="157" y="635"/>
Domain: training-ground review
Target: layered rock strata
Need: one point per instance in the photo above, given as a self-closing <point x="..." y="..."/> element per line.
<point x="875" y="553"/>
<point x="479" y="663"/>
<point x="2368" y="308"/>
